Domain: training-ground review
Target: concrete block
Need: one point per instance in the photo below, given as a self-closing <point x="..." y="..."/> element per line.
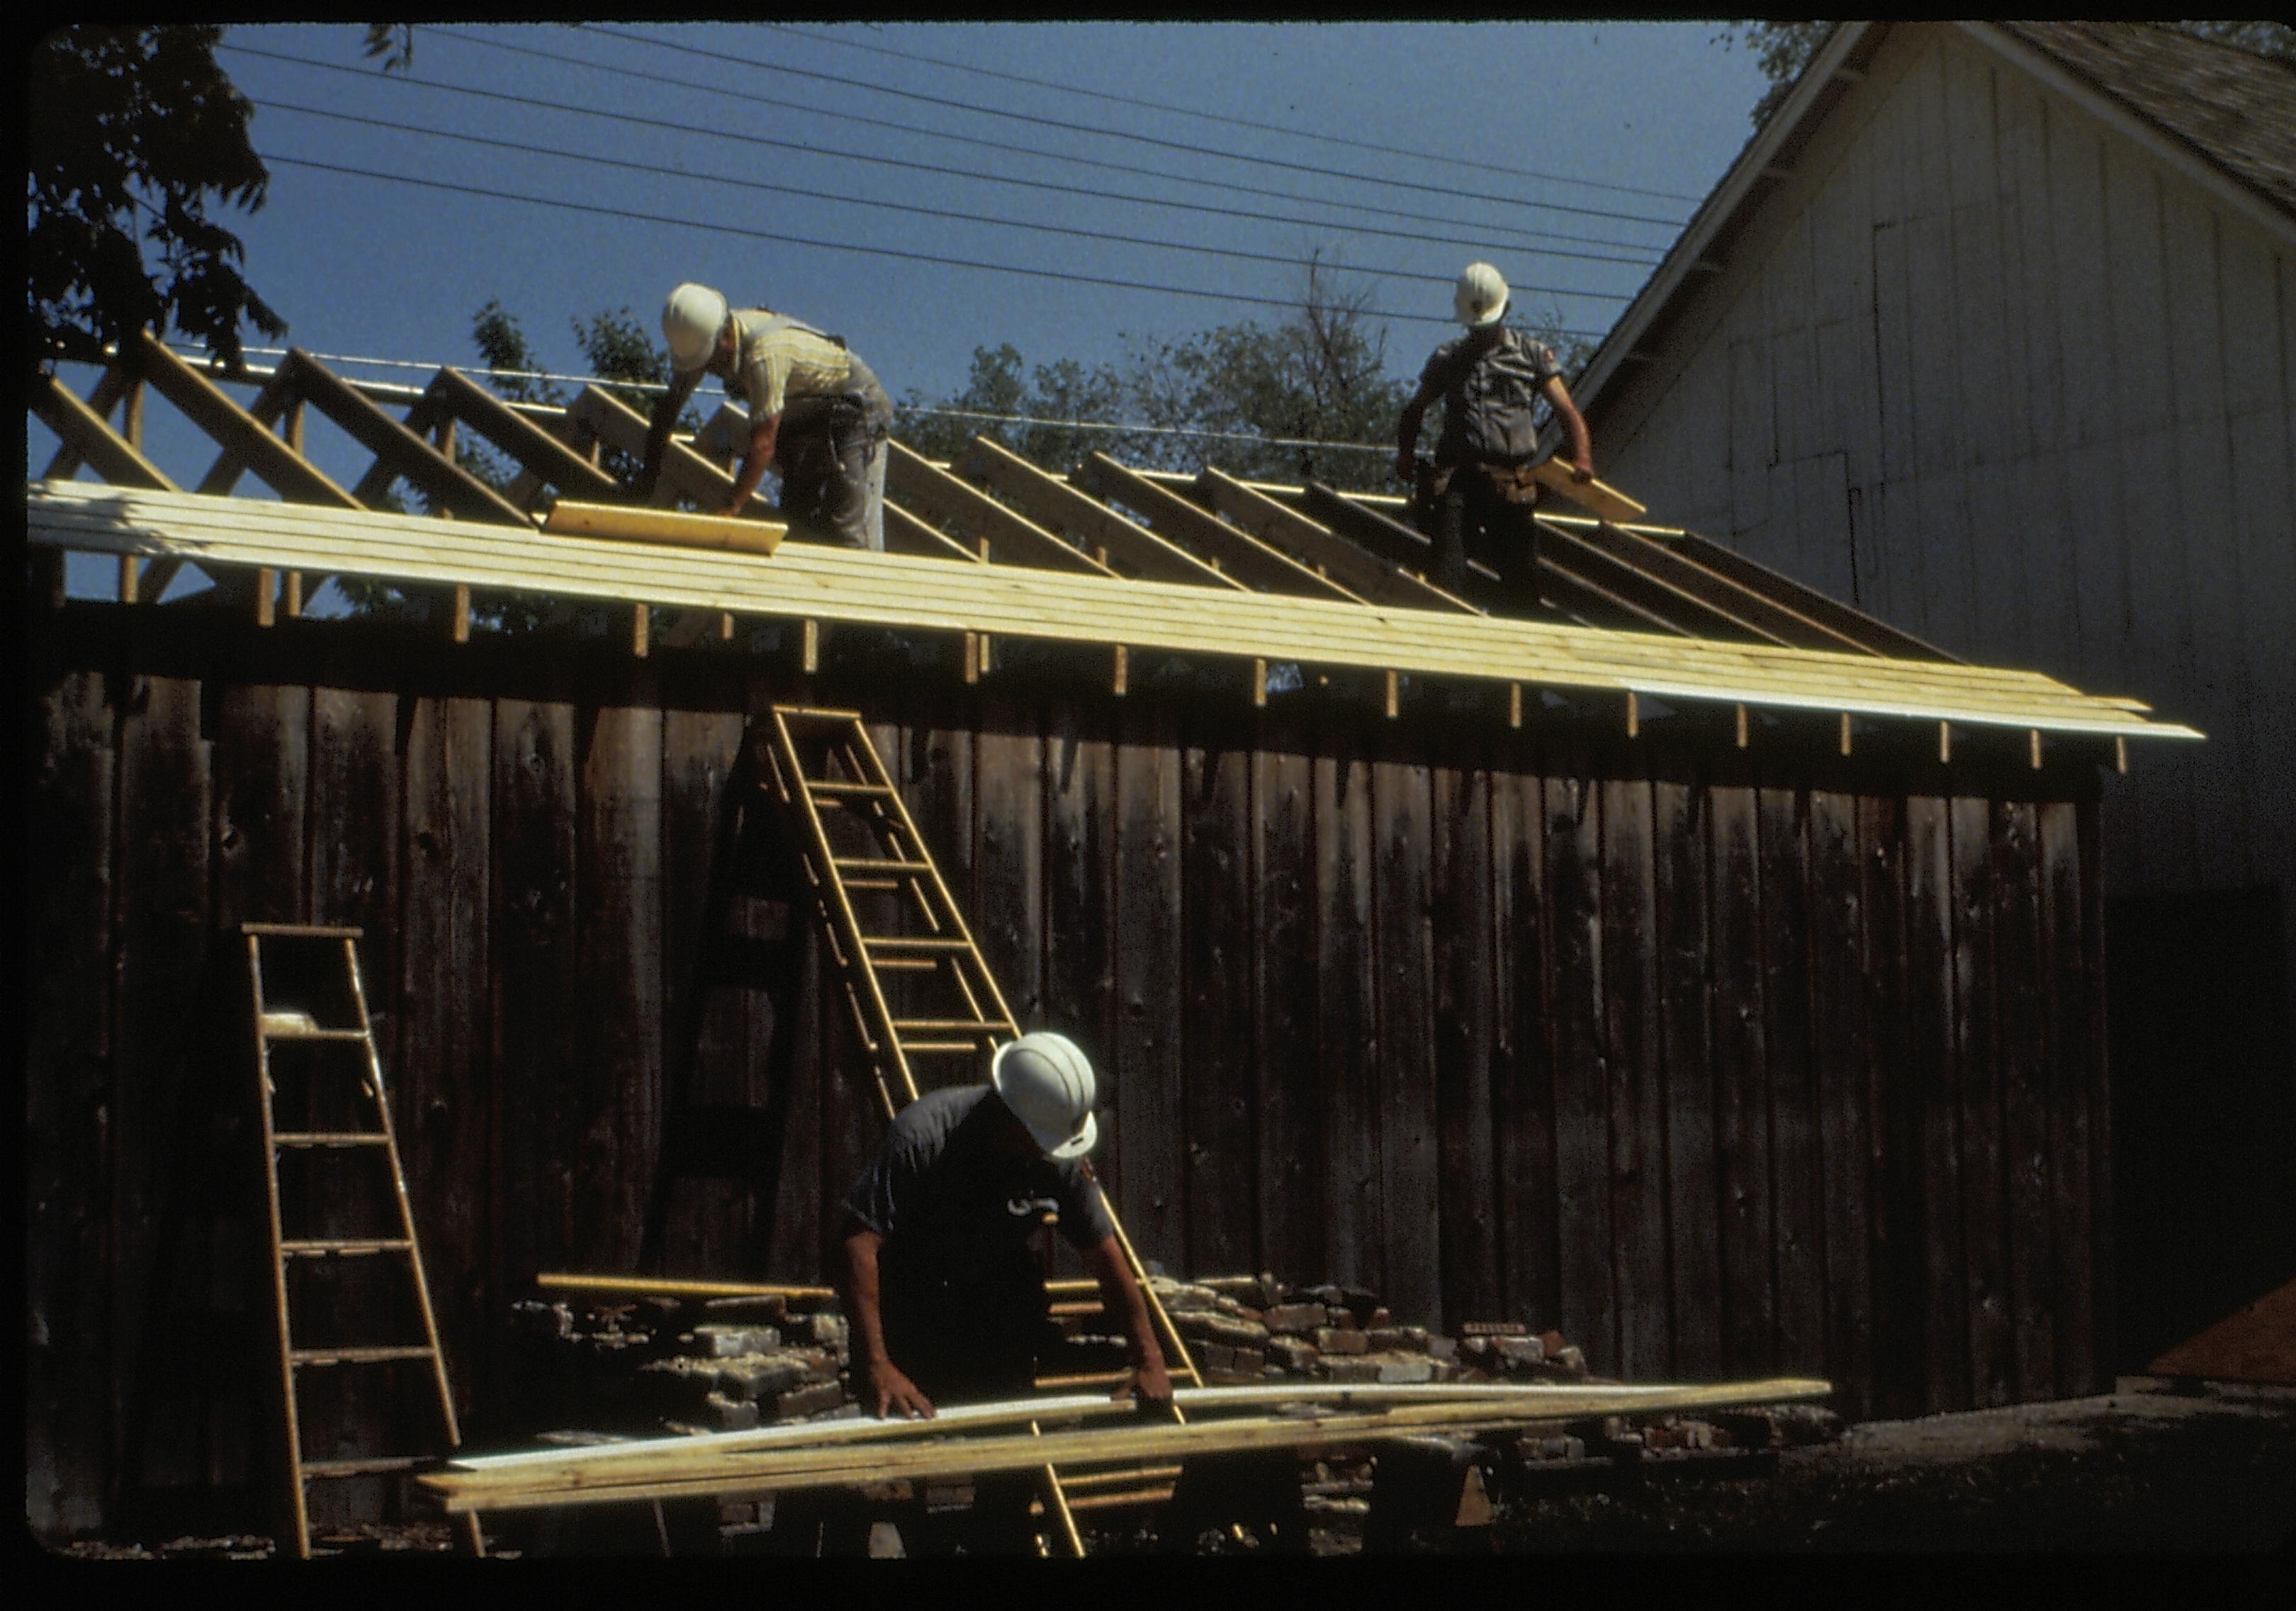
<point x="1292" y="1353"/>
<point x="1333" y="1339"/>
<point x="811" y="1400"/>
<point x="1404" y="1367"/>
<point x="728" y="1414"/>
<point x="1297" y="1320"/>
<point x="1348" y="1368"/>
<point x="717" y="1341"/>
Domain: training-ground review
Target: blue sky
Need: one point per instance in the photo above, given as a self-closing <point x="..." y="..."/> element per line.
<point x="1634" y="122"/>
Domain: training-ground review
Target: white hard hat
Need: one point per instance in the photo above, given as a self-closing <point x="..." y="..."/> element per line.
<point x="690" y="322"/>
<point x="1481" y="297"/>
<point x="1047" y="1084"/>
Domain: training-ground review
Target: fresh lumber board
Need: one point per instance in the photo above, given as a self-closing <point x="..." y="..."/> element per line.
<point x="87" y="436"/>
<point x="1319" y="547"/>
<point x="818" y="580"/>
<point x="706" y="1468"/>
<point x="239" y="433"/>
<point x="1235" y="552"/>
<point x="1052" y="501"/>
<point x="672" y="1286"/>
<point x="629" y="523"/>
<point x="1012" y="539"/>
<point x="398" y="451"/>
<point x="1595" y="497"/>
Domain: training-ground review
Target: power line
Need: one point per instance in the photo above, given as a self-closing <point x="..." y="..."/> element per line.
<point x="1084" y="128"/>
<point x="881" y="251"/>
<point x="925" y="408"/>
<point x="935" y="212"/>
<point x="1070" y="158"/>
<point x="1450" y="159"/>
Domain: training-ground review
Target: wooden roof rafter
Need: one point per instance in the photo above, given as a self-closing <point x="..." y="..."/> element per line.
<point x="1119" y="544"/>
<point x="1177" y="519"/>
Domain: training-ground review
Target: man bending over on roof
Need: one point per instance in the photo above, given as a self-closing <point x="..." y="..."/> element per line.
<point x="816" y="412"/>
<point x="1488" y="380"/>
<point x="945" y="1294"/>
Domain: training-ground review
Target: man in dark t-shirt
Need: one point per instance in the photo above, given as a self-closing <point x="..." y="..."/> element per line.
<point x="1483" y="496"/>
<point x="946" y="1296"/>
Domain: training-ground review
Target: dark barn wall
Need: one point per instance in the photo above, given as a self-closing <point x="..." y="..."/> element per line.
<point x="1725" y="1062"/>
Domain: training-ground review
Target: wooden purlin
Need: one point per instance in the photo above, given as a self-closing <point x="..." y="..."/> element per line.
<point x="1361" y="571"/>
<point x="1237" y="552"/>
<point x="819" y="582"/>
<point x="1053" y="503"/>
<point x="927" y="489"/>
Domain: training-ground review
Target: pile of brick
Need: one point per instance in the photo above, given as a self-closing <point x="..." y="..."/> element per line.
<point x="658" y="1364"/>
<point x="1257" y="1328"/>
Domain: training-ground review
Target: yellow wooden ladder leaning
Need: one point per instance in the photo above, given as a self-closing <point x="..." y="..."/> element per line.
<point x="324" y="1012"/>
<point x="911" y="974"/>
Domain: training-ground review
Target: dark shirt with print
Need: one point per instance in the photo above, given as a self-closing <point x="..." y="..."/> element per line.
<point x="1455" y="364"/>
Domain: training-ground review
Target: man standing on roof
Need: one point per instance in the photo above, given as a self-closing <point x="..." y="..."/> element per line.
<point x="1482" y="485"/>
<point x="944" y="1291"/>
<point x="816" y="412"/>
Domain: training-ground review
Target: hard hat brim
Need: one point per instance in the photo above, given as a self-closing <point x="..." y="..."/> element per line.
<point x="1077" y="1146"/>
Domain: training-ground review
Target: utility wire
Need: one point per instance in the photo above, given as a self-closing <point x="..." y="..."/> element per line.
<point x="1288" y="304"/>
<point x="960" y="414"/>
<point x="1070" y="158"/>
<point x="1113" y="134"/>
<point x="1448" y="158"/>
<point x="935" y="212"/>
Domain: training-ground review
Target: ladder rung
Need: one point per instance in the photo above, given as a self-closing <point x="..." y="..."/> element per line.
<point x="905" y="965"/>
<point x="347" y="1248"/>
<point x="357" y="1356"/>
<point x="302" y="931"/>
<point x="905" y="942"/>
<point x="878" y="864"/>
<point x="276" y="1030"/>
<point x="913" y="1048"/>
<point x="314" y="1137"/>
<point x="822" y="786"/>
<point x="319" y="1471"/>
<point x="955" y="1025"/>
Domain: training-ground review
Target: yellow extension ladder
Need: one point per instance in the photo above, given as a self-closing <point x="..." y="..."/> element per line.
<point x="323" y="1013"/>
<point x="909" y="970"/>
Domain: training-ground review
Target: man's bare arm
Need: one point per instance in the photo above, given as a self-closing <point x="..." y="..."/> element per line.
<point x="762" y="437"/>
<point x="1574" y="425"/>
<point x="1119" y="1296"/>
<point x="892" y="1390"/>
<point x="665" y="410"/>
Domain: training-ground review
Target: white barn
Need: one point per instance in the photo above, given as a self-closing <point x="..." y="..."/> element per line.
<point x="1990" y="330"/>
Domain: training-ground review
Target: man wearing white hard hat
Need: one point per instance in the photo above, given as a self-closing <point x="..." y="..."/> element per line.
<point x="816" y="412"/>
<point x="1481" y="487"/>
<point x="945" y="1293"/>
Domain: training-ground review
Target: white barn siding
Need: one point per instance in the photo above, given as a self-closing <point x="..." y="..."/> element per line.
<point x="1995" y="371"/>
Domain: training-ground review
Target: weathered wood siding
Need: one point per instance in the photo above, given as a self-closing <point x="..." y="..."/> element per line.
<point x="1991" y="369"/>
<point x="1724" y="1062"/>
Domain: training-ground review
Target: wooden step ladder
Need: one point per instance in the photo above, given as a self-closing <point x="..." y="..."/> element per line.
<point x="907" y="966"/>
<point x="333" y="1018"/>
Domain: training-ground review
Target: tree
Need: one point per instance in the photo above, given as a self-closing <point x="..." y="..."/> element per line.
<point x="1785" y="48"/>
<point x="132" y="135"/>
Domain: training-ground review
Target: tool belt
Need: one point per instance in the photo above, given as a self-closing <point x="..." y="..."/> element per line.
<point x="1516" y="483"/>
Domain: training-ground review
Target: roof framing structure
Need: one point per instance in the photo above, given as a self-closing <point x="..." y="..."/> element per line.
<point x="989" y="546"/>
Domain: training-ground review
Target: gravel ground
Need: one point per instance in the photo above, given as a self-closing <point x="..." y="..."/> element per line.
<point x="2155" y="1467"/>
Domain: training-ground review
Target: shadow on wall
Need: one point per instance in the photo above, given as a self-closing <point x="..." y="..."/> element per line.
<point x="2203" y="1109"/>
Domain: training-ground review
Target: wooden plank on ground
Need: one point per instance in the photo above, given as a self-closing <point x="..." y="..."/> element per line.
<point x="1217" y="1008"/>
<point x="1742" y="1104"/>
<point x="2071" y="1057"/>
<point x="443" y="1072"/>
<point x="1411" y="1182"/>
<point x="1522" y="1087"/>
<point x="1012" y="540"/>
<point x="1363" y="573"/>
<point x="236" y="430"/>
<point x="1287" y="1073"/>
<point x="446" y="484"/>
<point x="1128" y="547"/>
<point x="88" y="436"/>
<point x="2020" y="999"/>
<point x="1632" y="1049"/>
<point x="1589" y="1315"/>
<point x="1681" y="809"/>
<point x="68" y="981"/>
<point x="1237" y="554"/>
<point x="1465" y="1036"/>
<point x="1355" y="1233"/>
<point x="1977" y="1058"/>
<point x="1790" y="1065"/>
<point x="1840" y="961"/>
<point x="1149" y="941"/>
<point x="1933" y="1075"/>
